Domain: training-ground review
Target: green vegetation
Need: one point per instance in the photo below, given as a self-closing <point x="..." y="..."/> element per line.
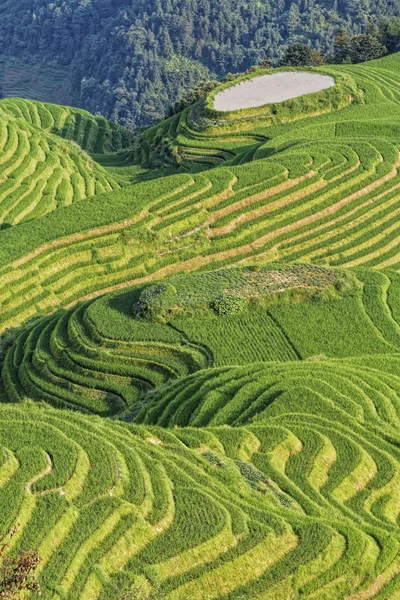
<point x="17" y="573"/>
<point x="199" y="392"/>
<point x="44" y="158"/>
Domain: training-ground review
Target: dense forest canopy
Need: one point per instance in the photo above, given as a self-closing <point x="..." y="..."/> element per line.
<point x="130" y="59"/>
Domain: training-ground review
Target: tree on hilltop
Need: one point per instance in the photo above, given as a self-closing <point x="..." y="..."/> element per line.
<point x="341" y="48"/>
<point x="317" y="58"/>
<point x="297" y="55"/>
<point x="365" y="47"/>
<point x="301" y="55"/>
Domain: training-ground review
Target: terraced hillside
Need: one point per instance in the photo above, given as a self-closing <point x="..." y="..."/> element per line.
<point x="297" y="496"/>
<point x="93" y="134"/>
<point x="321" y="188"/>
<point x="41" y="172"/>
<point x="200" y="371"/>
<point x="22" y="79"/>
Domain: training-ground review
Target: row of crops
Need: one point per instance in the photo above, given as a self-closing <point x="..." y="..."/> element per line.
<point x="321" y="189"/>
<point x="299" y="497"/>
<point x="40" y="172"/>
<point x="92" y="134"/>
<point x="102" y="356"/>
<point x="158" y="227"/>
<point x="97" y="357"/>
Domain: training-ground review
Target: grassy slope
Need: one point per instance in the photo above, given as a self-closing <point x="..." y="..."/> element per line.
<point x="259" y="453"/>
<point x="300" y="492"/>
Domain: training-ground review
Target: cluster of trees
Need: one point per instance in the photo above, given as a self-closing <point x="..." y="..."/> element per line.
<point x="299" y="55"/>
<point x="375" y="42"/>
<point x="130" y="59"/>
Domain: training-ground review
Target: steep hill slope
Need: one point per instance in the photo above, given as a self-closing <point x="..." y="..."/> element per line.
<point x="200" y="371"/>
<point x="319" y="186"/>
<point x="131" y="59"/>
<point x="41" y="172"/>
<point x="298" y="496"/>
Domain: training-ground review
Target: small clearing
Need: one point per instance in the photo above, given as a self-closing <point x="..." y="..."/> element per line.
<point x="271" y="88"/>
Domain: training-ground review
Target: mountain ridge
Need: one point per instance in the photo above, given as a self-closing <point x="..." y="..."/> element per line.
<point x="131" y="61"/>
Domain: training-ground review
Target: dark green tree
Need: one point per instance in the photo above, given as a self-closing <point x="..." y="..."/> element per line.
<point x="341" y="48"/>
<point x="293" y="18"/>
<point x="389" y="34"/>
<point x="297" y="55"/>
<point x="365" y="47"/>
<point x="371" y="28"/>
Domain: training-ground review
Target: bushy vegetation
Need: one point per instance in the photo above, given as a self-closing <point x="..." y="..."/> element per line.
<point x="154" y="300"/>
<point x="229" y="304"/>
<point x="17" y="573"/>
<point x="302" y="55"/>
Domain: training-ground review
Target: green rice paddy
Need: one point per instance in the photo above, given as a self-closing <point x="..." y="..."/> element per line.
<point x="200" y="362"/>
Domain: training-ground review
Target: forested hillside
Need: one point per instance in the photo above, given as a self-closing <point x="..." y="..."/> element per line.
<point x="130" y="59"/>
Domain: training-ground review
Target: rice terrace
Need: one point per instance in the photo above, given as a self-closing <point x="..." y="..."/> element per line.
<point x="200" y="342"/>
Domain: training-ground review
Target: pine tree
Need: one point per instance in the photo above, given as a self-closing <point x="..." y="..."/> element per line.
<point x="293" y="19"/>
<point x="341" y="48"/>
<point x="166" y="44"/>
<point x="297" y="55"/>
<point x="365" y="47"/>
<point x="371" y="29"/>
